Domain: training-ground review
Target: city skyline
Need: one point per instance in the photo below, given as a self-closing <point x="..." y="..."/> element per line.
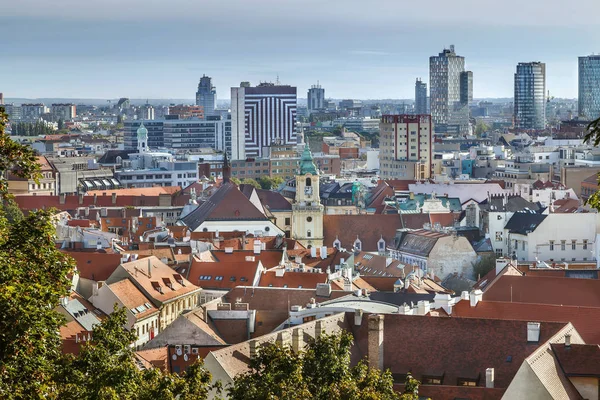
<point x="90" y="50"/>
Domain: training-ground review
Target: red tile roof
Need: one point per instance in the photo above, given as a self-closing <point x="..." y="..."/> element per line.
<point x="132" y="297"/>
<point x="455" y="348"/>
<point x="545" y="290"/>
<point x="578" y="359"/>
<point x="368" y="228"/>
<point x="222" y="275"/>
<point x="307" y="280"/>
<point x="94" y="265"/>
<point x="585" y="319"/>
<point x="151" y="191"/>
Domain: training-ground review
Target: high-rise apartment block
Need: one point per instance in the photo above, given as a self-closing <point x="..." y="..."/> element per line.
<point x="32" y="112"/>
<point x="206" y="96"/>
<point x="405" y="147"/>
<point x="66" y="111"/>
<point x="261" y="116"/>
<point x="530" y="96"/>
<point x="420" y="97"/>
<point x="589" y="87"/>
<point x="316" y="98"/>
<point x="450" y="90"/>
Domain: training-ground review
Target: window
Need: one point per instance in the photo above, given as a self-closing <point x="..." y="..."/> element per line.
<point x="498" y="236"/>
<point x="308" y="233"/>
<point x="552" y="245"/>
<point x="432" y="380"/>
<point x="585" y="243"/>
<point x="466" y="382"/>
<point x="308" y="182"/>
<point x="563" y="245"/>
<point x="573" y="245"/>
<point x="498" y="252"/>
<point x="288" y="221"/>
<point x="308" y="219"/>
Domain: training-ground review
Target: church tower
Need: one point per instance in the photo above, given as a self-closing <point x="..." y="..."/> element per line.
<point x="307" y="210"/>
<point x="142" y="139"/>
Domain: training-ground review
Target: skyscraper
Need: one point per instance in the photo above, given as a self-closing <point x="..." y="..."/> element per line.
<point x="316" y="98"/>
<point x="530" y="99"/>
<point x="260" y="116"/>
<point x="420" y="97"/>
<point x="450" y="89"/>
<point x="589" y="87"/>
<point x="206" y="96"/>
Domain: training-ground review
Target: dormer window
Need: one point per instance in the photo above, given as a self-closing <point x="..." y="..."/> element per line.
<point x="432" y="380"/>
<point x="337" y="244"/>
<point x="381" y="244"/>
<point x="358" y="244"/>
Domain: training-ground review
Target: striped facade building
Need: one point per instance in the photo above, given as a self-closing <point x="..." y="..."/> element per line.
<point x="261" y="116"/>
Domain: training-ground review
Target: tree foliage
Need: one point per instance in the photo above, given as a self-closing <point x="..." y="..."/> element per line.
<point x="484" y="265"/>
<point x="30" y="129"/>
<point x="251" y="181"/>
<point x="593" y="136"/>
<point x="269" y="183"/>
<point x="321" y="371"/>
<point x="34" y="276"/>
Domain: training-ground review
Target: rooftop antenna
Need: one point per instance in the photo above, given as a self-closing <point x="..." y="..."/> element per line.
<point x="277" y="81"/>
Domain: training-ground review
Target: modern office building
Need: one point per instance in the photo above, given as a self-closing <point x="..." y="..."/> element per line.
<point x="316" y="98"/>
<point x="206" y="96"/>
<point x="405" y="147"/>
<point x="182" y="134"/>
<point x="66" y="111"/>
<point x="530" y="96"/>
<point x="13" y="111"/>
<point x="420" y="97"/>
<point x="32" y="112"/>
<point x="589" y="87"/>
<point x="450" y="89"/>
<point x="260" y="116"/>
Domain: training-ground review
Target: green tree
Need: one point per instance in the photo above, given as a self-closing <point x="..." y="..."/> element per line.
<point x="411" y="388"/>
<point x="61" y="124"/>
<point x="250" y="181"/>
<point x="484" y="265"/>
<point x="321" y="371"/>
<point x="269" y="183"/>
<point x="235" y="180"/>
<point x="481" y="127"/>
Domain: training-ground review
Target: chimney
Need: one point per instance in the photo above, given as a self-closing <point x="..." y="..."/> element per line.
<point x="347" y="284"/>
<point x="297" y="340"/>
<point x="375" y="341"/>
<point x="475" y="297"/>
<point x="489" y="378"/>
<point x="464" y="295"/>
<point x="323" y="252"/>
<point x="313" y="252"/>
<point x="62" y="198"/>
<point x="114" y="198"/>
<point x="253" y="345"/>
<point x="257" y="247"/>
<point x="443" y="301"/>
<point x="358" y="314"/>
<point x="319" y="329"/>
<point x="323" y="290"/>
<point x="279" y="272"/>
<point x="568" y="340"/>
<point x="149" y="268"/>
<point x="80" y="199"/>
<point x="423" y="307"/>
<point x="533" y="332"/>
<point x="405" y="309"/>
<point x="283" y="338"/>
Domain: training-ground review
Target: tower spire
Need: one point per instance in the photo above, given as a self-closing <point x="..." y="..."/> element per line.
<point x="226" y="169"/>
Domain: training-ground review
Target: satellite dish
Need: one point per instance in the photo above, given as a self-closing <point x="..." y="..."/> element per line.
<point x="178" y="351"/>
<point x="185" y="357"/>
<point x="174" y="357"/>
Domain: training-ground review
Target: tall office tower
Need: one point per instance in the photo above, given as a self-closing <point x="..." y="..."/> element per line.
<point x="420" y="97"/>
<point x="206" y="96"/>
<point x="260" y="116"/>
<point x="530" y="99"/>
<point x="316" y="98"/>
<point x="405" y="147"/>
<point x="589" y="87"/>
<point x="449" y="88"/>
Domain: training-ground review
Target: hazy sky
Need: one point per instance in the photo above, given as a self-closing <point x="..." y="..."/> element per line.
<point x="360" y="49"/>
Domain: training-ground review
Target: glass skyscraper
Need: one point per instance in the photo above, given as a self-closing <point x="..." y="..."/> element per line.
<point x="206" y="96"/>
<point x="530" y="96"/>
<point x="589" y="87"/>
<point x="450" y="89"/>
<point x="420" y="97"/>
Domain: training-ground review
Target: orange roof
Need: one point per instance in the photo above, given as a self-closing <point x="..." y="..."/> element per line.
<point x="308" y="280"/>
<point x="152" y="191"/>
<point x="268" y="258"/>
<point x="357" y="284"/>
<point x="156" y="357"/>
<point x="95" y="266"/>
<point x="585" y="319"/>
<point x="162" y="283"/>
<point x="222" y="274"/>
<point x="131" y="297"/>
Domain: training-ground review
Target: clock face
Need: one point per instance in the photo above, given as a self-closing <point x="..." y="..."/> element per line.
<point x="308" y="190"/>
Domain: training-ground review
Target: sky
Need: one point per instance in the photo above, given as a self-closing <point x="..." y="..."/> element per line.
<point x="355" y="49"/>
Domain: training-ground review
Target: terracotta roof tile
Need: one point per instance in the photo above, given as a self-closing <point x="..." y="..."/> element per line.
<point x="578" y="359"/>
<point x="94" y="265"/>
<point x="223" y="274"/>
<point x="151" y="191"/>
<point x="132" y="297"/>
<point x="308" y="279"/>
<point x="368" y="228"/>
<point x="585" y="319"/>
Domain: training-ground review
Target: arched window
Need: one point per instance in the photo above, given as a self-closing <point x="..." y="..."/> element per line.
<point x="308" y="233"/>
<point x="308" y="182"/>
